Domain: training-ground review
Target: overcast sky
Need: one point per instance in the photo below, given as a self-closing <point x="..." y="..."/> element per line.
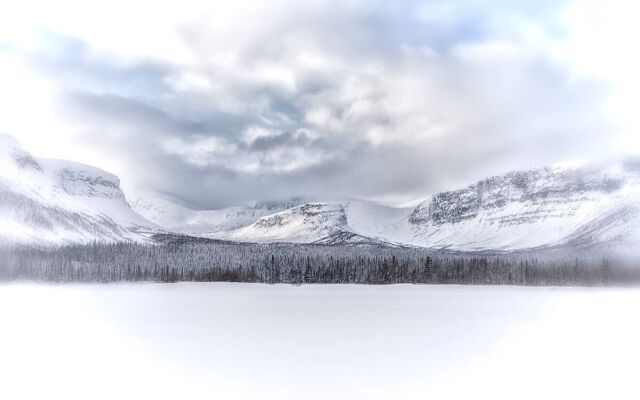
<point x="219" y="104"/>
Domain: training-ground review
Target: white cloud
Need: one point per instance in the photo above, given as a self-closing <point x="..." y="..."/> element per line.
<point x="228" y="102"/>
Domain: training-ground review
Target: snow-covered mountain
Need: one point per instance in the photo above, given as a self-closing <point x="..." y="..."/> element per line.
<point x="98" y="190"/>
<point x="56" y="202"/>
<point x="529" y="209"/>
<point x="212" y="223"/>
<point x="294" y="220"/>
<point x="307" y="223"/>
<point x="544" y="207"/>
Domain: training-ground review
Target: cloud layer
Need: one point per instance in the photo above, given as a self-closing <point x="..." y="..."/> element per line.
<point x="219" y="105"/>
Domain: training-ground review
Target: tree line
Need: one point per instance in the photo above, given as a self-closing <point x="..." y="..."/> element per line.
<point x="299" y="264"/>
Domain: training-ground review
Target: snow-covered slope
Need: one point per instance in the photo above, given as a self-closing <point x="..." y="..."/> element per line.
<point x="54" y="202"/>
<point x="212" y="223"/>
<point x="307" y="223"/>
<point x="377" y="221"/>
<point x="98" y="190"/>
<point x="292" y="220"/>
<point x="542" y="207"/>
<point x="164" y="212"/>
<point x="520" y="210"/>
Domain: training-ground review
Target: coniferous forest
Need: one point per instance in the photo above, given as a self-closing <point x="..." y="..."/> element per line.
<point x="211" y="261"/>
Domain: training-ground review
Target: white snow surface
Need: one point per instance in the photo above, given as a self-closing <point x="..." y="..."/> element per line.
<point x="253" y="341"/>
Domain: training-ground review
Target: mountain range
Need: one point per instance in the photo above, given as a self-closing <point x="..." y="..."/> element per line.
<point x="53" y="202"/>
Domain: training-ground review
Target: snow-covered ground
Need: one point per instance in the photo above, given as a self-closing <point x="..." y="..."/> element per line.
<point x="250" y="341"/>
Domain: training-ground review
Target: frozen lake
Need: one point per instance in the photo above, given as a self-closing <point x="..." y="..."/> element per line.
<point x="252" y="341"/>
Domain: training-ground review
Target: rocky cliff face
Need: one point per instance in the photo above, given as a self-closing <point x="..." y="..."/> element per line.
<point x="542" y="187"/>
<point x="280" y="205"/>
<point x="83" y="180"/>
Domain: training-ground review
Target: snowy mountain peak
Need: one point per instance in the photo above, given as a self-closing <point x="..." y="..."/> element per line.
<point x="519" y="210"/>
<point x="83" y="180"/>
<point x="55" y="202"/>
<point x="280" y="205"/>
<point x="306" y="223"/>
<point x="542" y="185"/>
<point x="526" y="209"/>
<point x="13" y="157"/>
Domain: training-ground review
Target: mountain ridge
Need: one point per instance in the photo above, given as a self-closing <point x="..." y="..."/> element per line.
<point x="56" y="202"/>
<point x="543" y="207"/>
<point x="53" y="202"/>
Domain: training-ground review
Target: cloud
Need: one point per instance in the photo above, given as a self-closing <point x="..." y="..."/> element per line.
<point x="225" y="105"/>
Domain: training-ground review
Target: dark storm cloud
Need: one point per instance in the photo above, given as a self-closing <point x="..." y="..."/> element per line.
<point x="297" y="139"/>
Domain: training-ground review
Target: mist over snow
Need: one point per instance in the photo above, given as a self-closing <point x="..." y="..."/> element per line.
<point x="218" y="104"/>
